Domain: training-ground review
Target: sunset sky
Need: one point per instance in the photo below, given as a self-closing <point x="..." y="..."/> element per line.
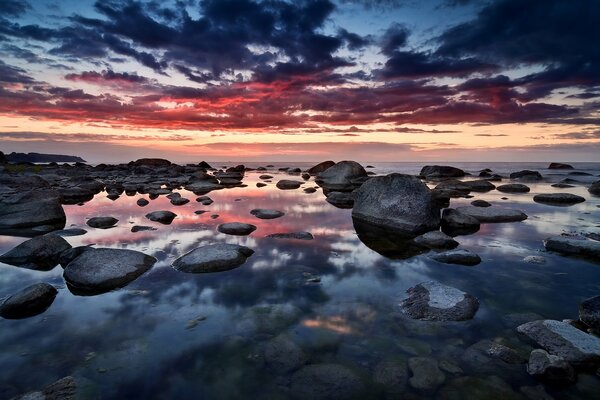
<point x="250" y="80"/>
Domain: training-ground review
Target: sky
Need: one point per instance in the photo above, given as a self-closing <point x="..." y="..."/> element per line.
<point x="306" y="80"/>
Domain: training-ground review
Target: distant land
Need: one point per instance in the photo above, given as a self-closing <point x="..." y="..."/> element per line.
<point x="41" y="158"/>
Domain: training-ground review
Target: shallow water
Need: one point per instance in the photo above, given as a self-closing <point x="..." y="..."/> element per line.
<point x="150" y="339"/>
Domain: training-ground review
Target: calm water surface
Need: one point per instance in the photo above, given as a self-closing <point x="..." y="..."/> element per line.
<point x="173" y="335"/>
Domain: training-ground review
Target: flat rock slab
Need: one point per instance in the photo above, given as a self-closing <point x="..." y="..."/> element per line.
<point x="432" y="301"/>
<point x="263" y="213"/>
<point x="101" y="270"/>
<point x="32" y="300"/>
<point x="164" y="217"/>
<point x="513" y="188"/>
<point x="574" y="245"/>
<point x="21" y="212"/>
<point x="70" y="232"/>
<point x="39" y="253"/>
<point x="436" y="240"/>
<point x="236" y="228"/>
<point x="292" y="235"/>
<point x="564" y="340"/>
<point x="326" y="381"/>
<point x="493" y="214"/>
<point x="558" y="198"/>
<point x="102" y="222"/>
<point x="213" y="258"/>
<point x="287" y="184"/>
<point x="457" y="256"/>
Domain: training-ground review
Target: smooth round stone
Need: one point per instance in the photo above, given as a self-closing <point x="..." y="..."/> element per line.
<point x="513" y="188"/>
<point x="39" y="253"/>
<point x="164" y="217"/>
<point x="480" y="203"/>
<point x="102" y="222"/>
<point x="283" y="355"/>
<point x="432" y="301"/>
<point x="236" y="228"/>
<point x="457" y="256"/>
<point x="436" y="240"/>
<point x="426" y="375"/>
<point x="266" y="214"/>
<point x="287" y="184"/>
<point x="70" y="232"/>
<point x="213" y="258"/>
<point x="32" y="300"/>
<point x="142" y="202"/>
<point x="574" y="245"/>
<point x="326" y="381"/>
<point x="558" y="198"/>
<point x="179" y="201"/>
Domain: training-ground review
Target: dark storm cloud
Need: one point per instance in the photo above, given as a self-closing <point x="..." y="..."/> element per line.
<point x="393" y="38"/>
<point x="10" y="74"/>
<point x="13" y="8"/>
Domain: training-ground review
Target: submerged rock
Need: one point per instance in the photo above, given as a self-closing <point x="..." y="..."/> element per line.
<point x="513" y="188"/>
<point x="102" y="222"/>
<point x="66" y="388"/>
<point x="32" y="300"/>
<point x="213" y="258"/>
<point x="164" y="217"/>
<point x="236" y="228"/>
<point x="263" y="213"/>
<point x="550" y="368"/>
<point x="283" y="355"/>
<point x="327" y="382"/>
<point x="321" y="167"/>
<point x="101" y="270"/>
<point x="574" y="245"/>
<point x="493" y="214"/>
<point x="441" y="171"/>
<point x="396" y="202"/>
<point x="558" y="198"/>
<point x="426" y="375"/>
<point x="344" y="176"/>
<point x="432" y="301"/>
<point x="589" y="312"/>
<point x="391" y="375"/>
<point x="292" y="235"/>
<point x="39" y="253"/>
<point x="457" y="256"/>
<point x="436" y="240"/>
<point x="287" y="184"/>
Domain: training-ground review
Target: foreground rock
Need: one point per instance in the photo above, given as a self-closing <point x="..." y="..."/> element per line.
<point x="493" y="214"/>
<point x="263" y="213"/>
<point x="458" y="256"/>
<point x="292" y="235"/>
<point x="164" y="217"/>
<point x="22" y="212"/>
<point x="321" y="167"/>
<point x="550" y="368"/>
<point x="287" y="184"/>
<point x="39" y="253"/>
<point x="236" y="228"/>
<point x="102" y="222"/>
<point x="574" y="245"/>
<point x="513" y="188"/>
<point x="436" y="240"/>
<point x="326" y="381"/>
<point x="101" y="270"/>
<point x="344" y="176"/>
<point x="213" y="258"/>
<point x="589" y="312"/>
<point x="32" y="300"/>
<point x="564" y="340"/>
<point x="561" y="199"/>
<point x="455" y="222"/>
<point x="432" y="301"/>
<point x="399" y="203"/>
<point x="441" y="171"/>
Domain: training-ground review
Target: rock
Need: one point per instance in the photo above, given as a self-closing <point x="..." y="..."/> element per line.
<point x="493" y="214"/>
<point x="292" y="235"/>
<point x="102" y="222"/>
<point x="75" y="195"/>
<point x="265" y="177"/>
<point x="340" y="199"/>
<point x="441" y="171"/>
<point x="474" y="388"/>
<point x="392" y="375"/>
<point x="556" y="165"/>
<point x="480" y="203"/>
<point x="164" y="217"/>
<point x="426" y="375"/>
<point x="205" y="200"/>
<point x="32" y="300"/>
<point x="236" y="228"/>
<point x="589" y="312"/>
<point x="453" y="188"/>
<point x="526" y="175"/>
<point x="310" y="190"/>
<point x="213" y="258"/>
<point x="179" y="201"/>
<point x="564" y="340"/>
<point x="101" y="270"/>
<point x="140" y="228"/>
<point x="535" y="260"/>
<point x="327" y="382"/>
<point x="396" y="202"/>
<point x="480" y="186"/>
<point x="574" y="245"/>
<point x="286" y="184"/>
<point x="283" y="355"/>
<point x="202" y="187"/>
<point x="558" y="198"/>
<point x="513" y="188"/>
<point x="344" y="176"/>
<point x="562" y="185"/>
<point x="457" y="256"/>
<point x="263" y="213"/>
<point x="21" y="212"/>
<point x="69" y="255"/>
<point x="549" y="368"/>
<point x="70" y="232"/>
<point x="306" y="176"/>
<point x="436" y="240"/>
<point x="595" y="188"/>
<point x="39" y="253"/>
<point x="260" y="184"/>
<point x="63" y="389"/>
<point x="321" y="167"/>
<point x="432" y="301"/>
<point x="142" y="202"/>
<point x="151" y="162"/>
<point x="455" y="222"/>
<point x="483" y="354"/>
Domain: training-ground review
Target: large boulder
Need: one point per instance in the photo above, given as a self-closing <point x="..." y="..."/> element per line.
<point x="321" y="167"/>
<point x="396" y="202"/>
<point x="101" y="270"/>
<point x="32" y="300"/>
<point x="493" y="214"/>
<point x="39" y="253"/>
<point x="432" y="301"/>
<point x="31" y="213"/>
<point x="213" y="258"/>
<point x="441" y="171"/>
<point x="344" y="176"/>
<point x="574" y="245"/>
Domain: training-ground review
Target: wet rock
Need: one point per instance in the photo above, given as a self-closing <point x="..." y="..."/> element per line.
<point x="480" y="186"/>
<point x="574" y="245"/>
<point x="558" y="198"/>
<point x="392" y="375"/>
<point x="63" y="389"/>
<point x="32" y="300"/>
<point x="39" y="253"/>
<point x="164" y="217"/>
<point x="213" y="258"/>
<point x="549" y="368"/>
<point x="151" y="162"/>
<point x="482" y="355"/>
<point x="432" y="301"/>
<point x="140" y="228"/>
<point x="457" y="256"/>
<point x="526" y="175"/>
<point x="292" y="235"/>
<point x="455" y="222"/>
<point x="480" y="203"/>
<point x="326" y="381"/>
<point x="260" y="184"/>
<point x="453" y="188"/>
<point x="102" y="222"/>
<point x="493" y="214"/>
<point x="69" y="255"/>
<point x="202" y="187"/>
<point x="436" y="240"/>
<point x="142" y="202"/>
<point x="340" y="199"/>
<point x="263" y="213"/>
<point x="426" y="375"/>
<point x="287" y="184"/>
<point x="396" y="202"/>
<point x="236" y="228"/>
<point x="513" y="188"/>
<point x="589" y="312"/>
<point x="562" y="339"/>
<point x="75" y="195"/>
<point x="179" y="201"/>
<point x="562" y="185"/>
<point x="21" y="212"/>
<point x="310" y="190"/>
<point x="556" y="165"/>
<point x="269" y="319"/>
<point x="321" y="167"/>
<point x="595" y="188"/>
<point x="70" y="232"/>
<point x="265" y="177"/>
<point x="205" y="200"/>
<point x="344" y="176"/>
<point x="441" y="171"/>
<point x="101" y="270"/>
<point x="535" y="260"/>
<point x="283" y="355"/>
